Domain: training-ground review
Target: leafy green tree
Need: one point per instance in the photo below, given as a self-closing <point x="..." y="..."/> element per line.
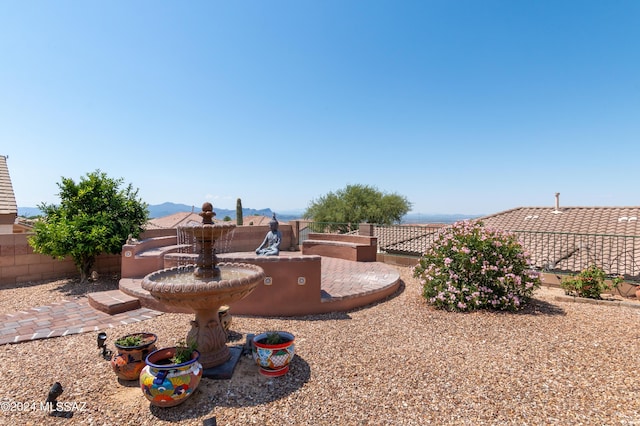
<point x="94" y="216"/>
<point x="357" y="204"/>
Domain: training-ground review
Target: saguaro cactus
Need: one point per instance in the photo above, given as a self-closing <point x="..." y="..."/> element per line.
<point x="239" y="212"/>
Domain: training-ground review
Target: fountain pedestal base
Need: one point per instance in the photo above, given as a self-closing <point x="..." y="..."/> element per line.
<point x="210" y="337"/>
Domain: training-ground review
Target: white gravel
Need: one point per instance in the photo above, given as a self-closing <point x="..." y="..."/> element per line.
<point x="397" y="362"/>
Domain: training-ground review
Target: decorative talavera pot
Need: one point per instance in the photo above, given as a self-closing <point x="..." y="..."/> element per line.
<point x="128" y="361"/>
<point x="166" y="384"/>
<point x="273" y="359"/>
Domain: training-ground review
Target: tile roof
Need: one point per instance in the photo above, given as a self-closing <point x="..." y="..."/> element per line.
<point x="175" y="220"/>
<point x="577" y="220"/>
<point x="8" y="204"/>
<point x="406" y="239"/>
<point x="184" y="218"/>
<point x="257" y="220"/>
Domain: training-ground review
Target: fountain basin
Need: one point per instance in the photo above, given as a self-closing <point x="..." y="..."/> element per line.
<point x="179" y="287"/>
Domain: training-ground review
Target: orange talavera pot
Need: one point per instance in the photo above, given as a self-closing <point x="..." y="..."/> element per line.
<point x="128" y="361"/>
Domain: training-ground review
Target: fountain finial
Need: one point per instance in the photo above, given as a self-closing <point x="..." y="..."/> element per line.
<point x="207" y="213"/>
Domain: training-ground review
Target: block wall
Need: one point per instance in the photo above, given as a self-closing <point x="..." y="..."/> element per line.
<point x="18" y="263"/>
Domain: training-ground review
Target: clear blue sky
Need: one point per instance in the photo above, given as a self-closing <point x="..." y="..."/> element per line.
<point x="468" y="107"/>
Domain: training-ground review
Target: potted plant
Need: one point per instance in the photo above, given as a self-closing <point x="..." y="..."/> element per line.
<point x="132" y="350"/>
<point x="273" y="351"/>
<point x="171" y="374"/>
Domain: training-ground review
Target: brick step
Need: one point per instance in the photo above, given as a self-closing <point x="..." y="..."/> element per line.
<point x="113" y="301"/>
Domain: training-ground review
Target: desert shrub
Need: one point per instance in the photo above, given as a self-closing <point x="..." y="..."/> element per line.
<point x="471" y="267"/>
<point x="590" y="283"/>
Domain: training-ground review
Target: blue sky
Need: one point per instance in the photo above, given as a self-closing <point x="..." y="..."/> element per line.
<point x="469" y="107"/>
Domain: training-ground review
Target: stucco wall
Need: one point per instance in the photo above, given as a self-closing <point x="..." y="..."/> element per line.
<point x="18" y="262"/>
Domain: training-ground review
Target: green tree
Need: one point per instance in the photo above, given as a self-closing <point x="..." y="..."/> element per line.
<point x="358" y="204"/>
<point x="94" y="216"/>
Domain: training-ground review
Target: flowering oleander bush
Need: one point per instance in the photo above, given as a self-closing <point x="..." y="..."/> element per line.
<point x="471" y="267"/>
<point x="590" y="283"/>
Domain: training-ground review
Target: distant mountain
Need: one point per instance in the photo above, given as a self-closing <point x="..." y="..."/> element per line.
<point x="29" y="211"/>
<point x="415" y="218"/>
<point x="166" y="209"/>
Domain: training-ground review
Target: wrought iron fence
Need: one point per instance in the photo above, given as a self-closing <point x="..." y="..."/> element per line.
<point x="404" y="239"/>
<point x="566" y="252"/>
<point x="325" y="228"/>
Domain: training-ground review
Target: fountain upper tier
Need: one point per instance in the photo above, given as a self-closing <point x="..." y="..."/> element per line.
<point x="207" y="232"/>
<point x="205" y="236"/>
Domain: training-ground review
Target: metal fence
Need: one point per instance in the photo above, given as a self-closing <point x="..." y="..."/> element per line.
<point x="558" y="252"/>
<point x="406" y="240"/>
<point x="566" y="252"/>
<point x="308" y="227"/>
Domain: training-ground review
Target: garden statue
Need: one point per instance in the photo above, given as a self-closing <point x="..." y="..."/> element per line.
<point x="271" y="244"/>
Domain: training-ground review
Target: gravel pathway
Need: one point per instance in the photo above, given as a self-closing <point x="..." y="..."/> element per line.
<point x="397" y="362"/>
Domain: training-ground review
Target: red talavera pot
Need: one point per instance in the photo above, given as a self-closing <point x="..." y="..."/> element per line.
<point x="273" y="359"/>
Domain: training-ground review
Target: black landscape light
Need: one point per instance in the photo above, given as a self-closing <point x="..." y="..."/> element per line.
<point x="211" y="421"/>
<point x="54" y="393"/>
<point x="102" y="339"/>
<point x="52" y="404"/>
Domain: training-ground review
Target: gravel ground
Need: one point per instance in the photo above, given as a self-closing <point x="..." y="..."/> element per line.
<point x="397" y="362"/>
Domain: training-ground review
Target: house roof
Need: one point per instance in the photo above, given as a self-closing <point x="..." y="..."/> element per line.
<point x="186" y="218"/>
<point x="406" y="239"/>
<point x="622" y="221"/>
<point x="175" y="220"/>
<point x="256" y="220"/>
<point x="8" y="204"/>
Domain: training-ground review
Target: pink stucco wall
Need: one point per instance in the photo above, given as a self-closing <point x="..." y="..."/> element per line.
<point x="18" y="262"/>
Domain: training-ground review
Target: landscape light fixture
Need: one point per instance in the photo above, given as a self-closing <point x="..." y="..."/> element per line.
<point x="102" y="339"/>
<point x="54" y="393"/>
<point x="52" y="404"/>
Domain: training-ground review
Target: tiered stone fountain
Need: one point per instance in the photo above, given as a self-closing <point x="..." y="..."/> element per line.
<point x="205" y="287"/>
